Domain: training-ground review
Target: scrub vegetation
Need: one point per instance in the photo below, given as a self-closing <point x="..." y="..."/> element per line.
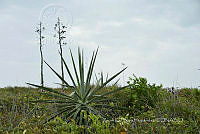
<point x="83" y="106"/>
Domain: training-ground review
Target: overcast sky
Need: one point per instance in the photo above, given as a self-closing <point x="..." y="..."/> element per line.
<point x="156" y="39"/>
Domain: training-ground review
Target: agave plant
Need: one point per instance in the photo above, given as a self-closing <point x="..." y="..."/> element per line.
<point x="83" y="96"/>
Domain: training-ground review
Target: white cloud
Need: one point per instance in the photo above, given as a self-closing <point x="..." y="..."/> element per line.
<point x="83" y="33"/>
<point x="155" y="39"/>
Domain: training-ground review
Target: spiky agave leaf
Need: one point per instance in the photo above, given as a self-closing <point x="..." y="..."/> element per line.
<point x="83" y="96"/>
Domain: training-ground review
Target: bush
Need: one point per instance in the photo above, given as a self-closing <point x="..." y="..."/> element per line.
<point x="143" y="95"/>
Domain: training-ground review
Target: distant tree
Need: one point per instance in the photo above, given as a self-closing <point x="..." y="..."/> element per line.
<point x="60" y="34"/>
<point x="39" y="30"/>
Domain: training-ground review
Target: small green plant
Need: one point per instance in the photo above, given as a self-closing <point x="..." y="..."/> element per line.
<point x="123" y="123"/>
<point x="83" y="96"/>
<point x="96" y="125"/>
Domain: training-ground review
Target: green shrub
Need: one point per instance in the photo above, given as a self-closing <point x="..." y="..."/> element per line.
<point x="143" y="95"/>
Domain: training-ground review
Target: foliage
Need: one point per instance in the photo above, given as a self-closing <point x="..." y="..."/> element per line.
<point x="57" y="125"/>
<point x="96" y="125"/>
<point x="83" y="96"/>
<point x="123" y="123"/>
<point x="28" y="118"/>
<point x="143" y="95"/>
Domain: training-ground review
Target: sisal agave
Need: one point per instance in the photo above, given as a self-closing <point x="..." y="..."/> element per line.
<point x="84" y="96"/>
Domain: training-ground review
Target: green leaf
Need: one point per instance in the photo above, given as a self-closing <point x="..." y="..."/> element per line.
<point x="51" y="90"/>
<point x="52" y="95"/>
<point x="58" y="75"/>
<point x="108" y="93"/>
<point x="74" y="66"/>
<point x="105" y="83"/>
<point x="134" y="96"/>
<point x="90" y="70"/>
<point x="48" y="101"/>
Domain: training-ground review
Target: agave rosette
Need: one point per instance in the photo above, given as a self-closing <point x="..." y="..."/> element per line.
<point x="83" y="96"/>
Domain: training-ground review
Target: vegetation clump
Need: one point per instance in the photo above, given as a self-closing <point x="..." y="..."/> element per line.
<point x="171" y="115"/>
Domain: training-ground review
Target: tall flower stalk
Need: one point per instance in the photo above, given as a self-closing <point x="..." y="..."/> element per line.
<point x="41" y="37"/>
<point x="60" y="31"/>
